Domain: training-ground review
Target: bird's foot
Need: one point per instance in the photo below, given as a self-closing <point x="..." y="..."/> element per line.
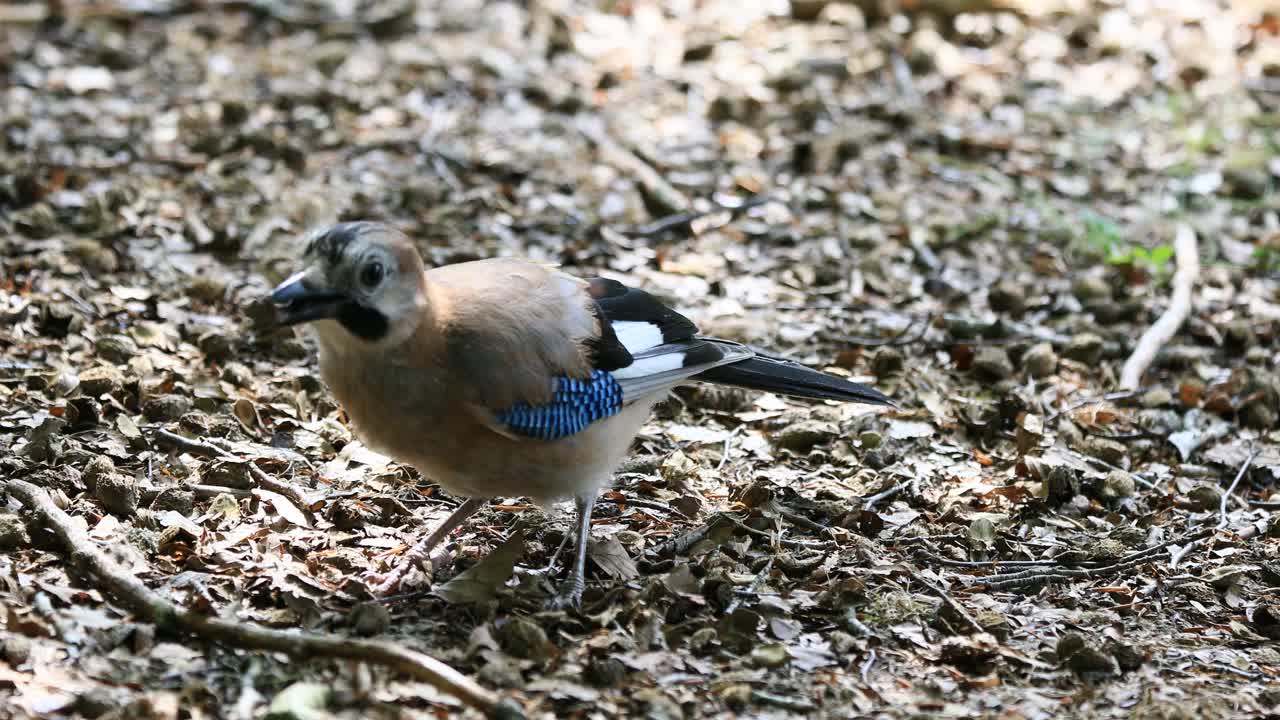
<point x="569" y="596"/>
<point x="413" y="571"/>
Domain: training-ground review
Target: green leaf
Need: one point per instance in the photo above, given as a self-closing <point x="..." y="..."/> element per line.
<point x="1162" y="255"/>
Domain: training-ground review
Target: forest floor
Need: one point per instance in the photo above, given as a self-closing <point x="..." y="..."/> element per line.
<point x="978" y="213"/>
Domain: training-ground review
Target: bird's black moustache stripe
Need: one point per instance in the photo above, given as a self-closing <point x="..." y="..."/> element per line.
<point x="362" y="321"/>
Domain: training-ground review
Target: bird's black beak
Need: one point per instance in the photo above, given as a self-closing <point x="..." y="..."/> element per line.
<point x="298" y="302"/>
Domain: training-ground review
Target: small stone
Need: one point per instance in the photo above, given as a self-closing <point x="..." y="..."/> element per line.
<point x="870" y="439"/>
<point x="1061" y="484"/>
<point x="1246" y="183"/>
<point x="1157" y="397"/>
<point x="206" y="288"/>
<point x="887" y="362"/>
<point x="116" y="348"/>
<point x="737" y="696"/>
<point x="1089" y="660"/>
<point x="176" y="499"/>
<point x="803" y="435"/>
<point x="93" y="256"/>
<point x="525" y="639"/>
<point x="166" y="408"/>
<point x="1040" y="360"/>
<point x="347" y="514"/>
<point x="16" y="649"/>
<point x="1104" y="449"/>
<point x="772" y="655"/>
<point x="45" y="441"/>
<point x="1085" y="348"/>
<point x="1106" y="550"/>
<point x="232" y="473"/>
<point x="1130" y="535"/>
<point x="369" y="618"/>
<point x="703" y="640"/>
<point x="1090" y="289"/>
<point x="843" y="643"/>
<point x="994" y="622"/>
<point x="1069" y="644"/>
<point x="1205" y="498"/>
<point x="237" y="374"/>
<point x="992" y="363"/>
<point x="1117" y="486"/>
<point x="118" y="494"/>
<point x="1008" y="297"/>
<point x="217" y="346"/>
<point x="606" y="671"/>
<point x="101" y="380"/>
<point x="880" y="458"/>
<point x="95" y="702"/>
<point x="1239" y="334"/>
<point x="13" y="532"/>
<point x="97" y="467"/>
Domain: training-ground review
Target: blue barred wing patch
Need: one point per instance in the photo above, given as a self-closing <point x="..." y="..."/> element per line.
<point x="575" y="405"/>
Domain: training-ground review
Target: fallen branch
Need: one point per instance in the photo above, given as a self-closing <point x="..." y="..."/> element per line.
<point x="167" y="615"/>
<point x="263" y="480"/>
<point x="871" y="501"/>
<point x="1226" y="496"/>
<point x="753" y="588"/>
<point x="686" y="219"/>
<point x="951" y="603"/>
<point x="1036" y="576"/>
<point x="660" y="193"/>
<point x="1163" y="330"/>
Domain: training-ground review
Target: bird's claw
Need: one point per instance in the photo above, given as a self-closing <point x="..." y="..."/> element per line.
<point x="569" y="596"/>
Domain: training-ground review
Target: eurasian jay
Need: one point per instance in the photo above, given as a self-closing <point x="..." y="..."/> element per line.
<point x="505" y="377"/>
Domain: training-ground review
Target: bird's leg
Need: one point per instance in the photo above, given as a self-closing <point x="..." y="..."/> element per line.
<point x="420" y="553"/>
<point x="570" y="594"/>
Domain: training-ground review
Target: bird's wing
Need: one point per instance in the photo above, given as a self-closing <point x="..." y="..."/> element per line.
<point x="542" y="354"/>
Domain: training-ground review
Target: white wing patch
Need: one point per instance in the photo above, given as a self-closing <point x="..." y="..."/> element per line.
<point x="650" y="365"/>
<point x="637" y="336"/>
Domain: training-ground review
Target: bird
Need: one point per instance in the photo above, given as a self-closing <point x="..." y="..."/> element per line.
<point x="506" y="377"/>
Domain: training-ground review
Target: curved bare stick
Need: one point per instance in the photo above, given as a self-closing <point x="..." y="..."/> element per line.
<point x="170" y="616"/>
<point x="1164" y="328"/>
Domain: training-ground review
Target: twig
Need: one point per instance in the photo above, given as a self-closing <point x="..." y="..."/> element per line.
<point x="645" y="504"/>
<point x="680" y="544"/>
<point x="656" y="189"/>
<point x="899" y="338"/>
<point x="167" y="615"/>
<point x="871" y="501"/>
<point x="992" y="564"/>
<point x="1121" y="395"/>
<point x="682" y="219"/>
<point x="1264" y="505"/>
<point x="1103" y="463"/>
<point x="783" y="702"/>
<point x="753" y="587"/>
<point x="728" y="445"/>
<point x="1226" y="496"/>
<point x="1163" y="330"/>
<point x="201" y="491"/>
<point x="950" y="602"/>
<point x="797" y="519"/>
<point x="865" y="668"/>
<point x="208" y="449"/>
<point x="1035" y="576"/>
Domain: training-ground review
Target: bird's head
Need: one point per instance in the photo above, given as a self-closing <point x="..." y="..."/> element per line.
<point x="363" y="280"/>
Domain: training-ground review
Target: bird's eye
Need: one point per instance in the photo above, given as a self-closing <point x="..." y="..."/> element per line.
<point x="372" y="274"/>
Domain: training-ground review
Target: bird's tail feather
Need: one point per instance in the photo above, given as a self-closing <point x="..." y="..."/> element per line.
<point x="784" y="377"/>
